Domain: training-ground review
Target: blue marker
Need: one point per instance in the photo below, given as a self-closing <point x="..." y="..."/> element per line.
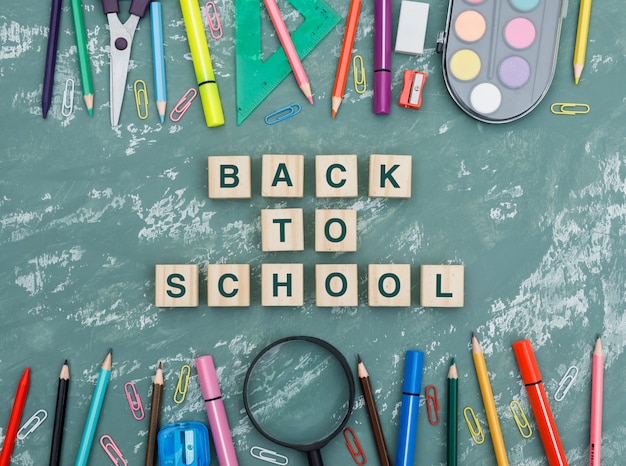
<point x="156" y="24"/>
<point x="411" y="387"/>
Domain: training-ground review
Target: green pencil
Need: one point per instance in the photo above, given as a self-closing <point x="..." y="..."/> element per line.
<point x="453" y="394"/>
<point x="83" y="56"/>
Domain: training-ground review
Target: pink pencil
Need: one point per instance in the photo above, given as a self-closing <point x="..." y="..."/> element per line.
<point x="597" y="380"/>
<point x="288" y="47"/>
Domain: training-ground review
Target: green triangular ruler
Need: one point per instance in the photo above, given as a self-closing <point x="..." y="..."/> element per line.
<point x="256" y="79"/>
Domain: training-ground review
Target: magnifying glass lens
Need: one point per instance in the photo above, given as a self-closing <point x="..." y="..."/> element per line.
<point x="297" y="393"/>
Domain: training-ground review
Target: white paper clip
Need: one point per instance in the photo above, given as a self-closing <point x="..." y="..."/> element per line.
<point x="214" y="28"/>
<point x="112" y="451"/>
<point x="31" y="425"/>
<point x="68" y="98"/>
<point x="566" y="383"/>
<point x="282" y="114"/>
<point x="268" y="455"/>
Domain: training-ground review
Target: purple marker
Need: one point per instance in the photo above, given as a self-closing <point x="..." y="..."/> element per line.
<point x="220" y="431"/>
<point x="382" y="57"/>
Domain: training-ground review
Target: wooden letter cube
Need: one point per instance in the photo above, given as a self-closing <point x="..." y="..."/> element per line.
<point x="390" y="176"/>
<point x="282" y="176"/>
<point x="282" y="284"/>
<point x="282" y="230"/>
<point x="176" y="286"/>
<point x="442" y="285"/>
<point x="229" y="177"/>
<point x="228" y="285"/>
<point x="336" y="285"/>
<point x="389" y="285"/>
<point x="335" y="230"/>
<point x="336" y="176"/>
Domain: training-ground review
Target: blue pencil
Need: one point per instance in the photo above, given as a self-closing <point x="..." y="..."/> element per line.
<point x="94" y="411"/>
<point x="156" y="23"/>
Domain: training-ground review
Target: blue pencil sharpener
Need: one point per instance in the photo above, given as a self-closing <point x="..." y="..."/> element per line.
<point x="184" y="444"/>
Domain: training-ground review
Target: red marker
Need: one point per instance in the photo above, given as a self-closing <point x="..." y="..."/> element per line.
<point x="539" y="403"/>
<point x="15" y="418"/>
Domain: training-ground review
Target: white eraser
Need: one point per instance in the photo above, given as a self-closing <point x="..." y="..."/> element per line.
<point x="412" y="27"/>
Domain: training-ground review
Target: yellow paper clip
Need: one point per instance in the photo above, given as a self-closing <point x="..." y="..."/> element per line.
<point x="282" y="114"/>
<point x="134" y="401"/>
<point x="183" y="382"/>
<point x="183" y="104"/>
<point x="432" y="404"/>
<point x="33" y="422"/>
<point x="477" y="433"/>
<point x="268" y="456"/>
<point x="520" y="419"/>
<point x="214" y="28"/>
<point x="565" y="108"/>
<point x="140" y="90"/>
<point x="353" y="444"/>
<point x="112" y="451"/>
<point x="358" y="72"/>
<point x="68" y="98"/>
<point x="566" y="383"/>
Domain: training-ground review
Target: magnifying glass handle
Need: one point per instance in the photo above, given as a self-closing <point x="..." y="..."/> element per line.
<point x="315" y="458"/>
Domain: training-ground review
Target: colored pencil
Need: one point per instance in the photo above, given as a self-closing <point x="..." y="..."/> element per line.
<point x="289" y="48"/>
<point x="597" y="382"/>
<point x="490" y="404"/>
<point x="94" y="411"/>
<point x="582" y="34"/>
<point x="15" y="418"/>
<point x="51" y="57"/>
<point x="155" y="414"/>
<point x="372" y="412"/>
<point x="156" y="24"/>
<point x="343" y="67"/>
<point x="83" y="56"/>
<point x="59" y="415"/>
<point x="453" y="407"/>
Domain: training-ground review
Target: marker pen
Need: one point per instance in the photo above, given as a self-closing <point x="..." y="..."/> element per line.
<point x="220" y="431"/>
<point x="539" y="403"/>
<point x="382" y="57"/>
<point x="411" y="387"/>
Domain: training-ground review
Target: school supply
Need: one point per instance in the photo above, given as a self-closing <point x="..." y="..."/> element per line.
<point x="597" y="382"/>
<point x="59" y="415"/>
<point x="411" y="31"/>
<point x="155" y="415"/>
<point x="257" y="77"/>
<point x="51" y="57"/>
<point x="84" y="66"/>
<point x="158" y="59"/>
<point x="582" y="34"/>
<point x="411" y="389"/>
<point x="14" y="418"/>
<point x="452" y="454"/>
<point x="184" y="443"/>
<point x="411" y="96"/>
<point x="382" y="57"/>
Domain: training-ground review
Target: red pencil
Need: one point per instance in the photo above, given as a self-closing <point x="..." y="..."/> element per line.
<point x="16" y="417"/>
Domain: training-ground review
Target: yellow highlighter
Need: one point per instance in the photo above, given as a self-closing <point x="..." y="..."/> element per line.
<point x="207" y="87"/>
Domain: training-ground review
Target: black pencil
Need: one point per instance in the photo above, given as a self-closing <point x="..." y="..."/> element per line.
<point x="59" y="415"/>
<point x="155" y="412"/>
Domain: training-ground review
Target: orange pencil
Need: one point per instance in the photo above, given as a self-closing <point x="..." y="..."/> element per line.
<point x="346" y="52"/>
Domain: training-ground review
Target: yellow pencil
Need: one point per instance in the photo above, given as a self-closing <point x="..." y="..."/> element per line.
<point x="490" y="405"/>
<point x="584" y="15"/>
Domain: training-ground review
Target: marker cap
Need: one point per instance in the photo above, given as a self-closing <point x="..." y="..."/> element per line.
<point x="382" y="92"/>
<point x="413" y="365"/>
<point x="526" y="361"/>
<point x="208" y="378"/>
<point x="211" y="104"/>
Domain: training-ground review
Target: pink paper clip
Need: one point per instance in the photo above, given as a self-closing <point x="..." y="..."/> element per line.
<point x="214" y="28"/>
<point x="183" y="104"/>
<point x="112" y="451"/>
<point x="134" y="401"/>
<point x="354" y="446"/>
<point x="432" y="404"/>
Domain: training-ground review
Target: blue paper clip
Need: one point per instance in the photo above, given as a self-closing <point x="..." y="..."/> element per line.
<point x="283" y="113"/>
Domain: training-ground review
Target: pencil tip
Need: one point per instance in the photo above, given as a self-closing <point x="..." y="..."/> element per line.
<point x="576" y="80"/>
<point x="160" y="365"/>
<point x="452" y="362"/>
<point x="358" y="357"/>
<point x="334" y="114"/>
<point x="90" y="111"/>
<point x="310" y="99"/>
<point x="65" y="362"/>
<point x="162" y="117"/>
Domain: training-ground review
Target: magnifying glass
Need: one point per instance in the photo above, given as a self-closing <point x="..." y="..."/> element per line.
<point x="298" y="392"/>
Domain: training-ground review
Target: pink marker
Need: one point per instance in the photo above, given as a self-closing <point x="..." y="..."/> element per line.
<point x="220" y="431"/>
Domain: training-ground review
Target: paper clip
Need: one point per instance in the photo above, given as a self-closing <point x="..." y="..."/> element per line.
<point x="432" y="404"/>
<point x="283" y="113"/>
<point x="353" y="444"/>
<point x="31" y="425"/>
<point x="183" y="104"/>
<point x="477" y="434"/>
<point x="68" y="98"/>
<point x="134" y="401"/>
<point x="181" y="387"/>
<point x="564" y="108"/>
<point x="358" y="72"/>
<point x="140" y="90"/>
<point x="214" y="28"/>
<point x="566" y="383"/>
<point x="268" y="455"/>
<point x="112" y="451"/>
<point x="520" y="419"/>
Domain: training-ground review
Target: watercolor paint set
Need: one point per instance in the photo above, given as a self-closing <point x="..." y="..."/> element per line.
<point x="499" y="56"/>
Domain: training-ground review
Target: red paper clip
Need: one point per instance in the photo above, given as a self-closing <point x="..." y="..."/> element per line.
<point x="432" y="404"/>
<point x="134" y="401"/>
<point x="183" y="104"/>
<point x="354" y="446"/>
<point x="112" y="451"/>
<point x="214" y="28"/>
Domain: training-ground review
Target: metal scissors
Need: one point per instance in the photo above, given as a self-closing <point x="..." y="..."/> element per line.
<point x="121" y="39"/>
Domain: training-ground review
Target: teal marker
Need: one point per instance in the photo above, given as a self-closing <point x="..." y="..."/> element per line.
<point x="94" y="411"/>
<point x="156" y="24"/>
